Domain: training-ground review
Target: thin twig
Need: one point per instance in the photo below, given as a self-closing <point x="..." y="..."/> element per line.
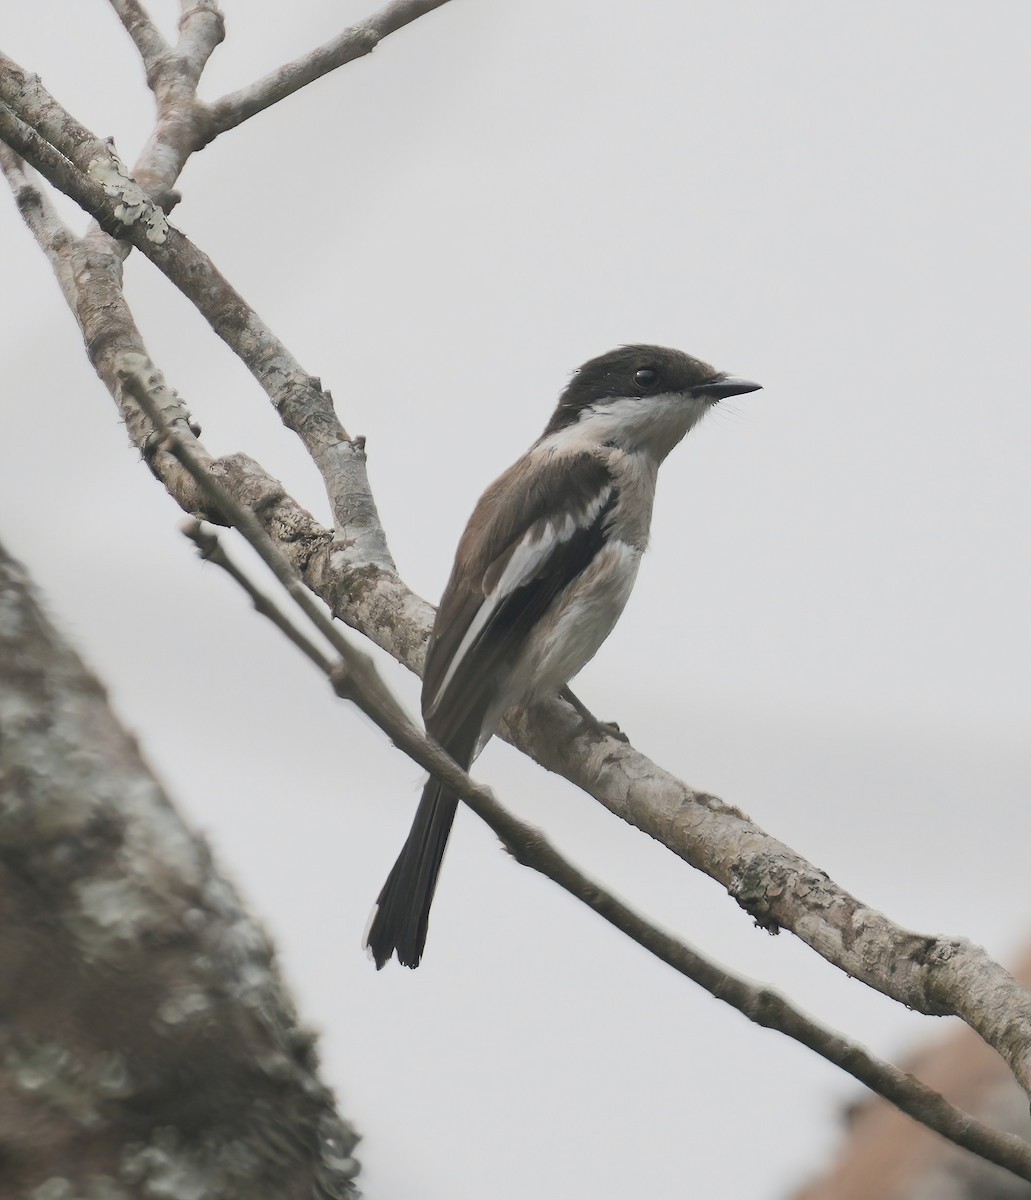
<point x="210" y="549"/>
<point x="531" y="848"/>
<point x="54" y="237"/>
<point x="355" y="42"/>
<point x="356" y="669"/>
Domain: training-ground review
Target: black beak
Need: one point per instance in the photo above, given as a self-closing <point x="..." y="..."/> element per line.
<point x="724" y="386"/>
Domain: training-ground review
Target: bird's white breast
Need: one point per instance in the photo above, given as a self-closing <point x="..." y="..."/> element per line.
<point x="581" y="618"/>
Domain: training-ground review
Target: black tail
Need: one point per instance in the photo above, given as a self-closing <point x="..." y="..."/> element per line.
<point x="402" y="913"/>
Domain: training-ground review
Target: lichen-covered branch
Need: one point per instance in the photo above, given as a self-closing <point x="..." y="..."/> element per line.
<point x="23" y="92"/>
<point x="148" y="1042"/>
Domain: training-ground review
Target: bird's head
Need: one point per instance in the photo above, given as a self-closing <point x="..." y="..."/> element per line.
<point x="640" y="398"/>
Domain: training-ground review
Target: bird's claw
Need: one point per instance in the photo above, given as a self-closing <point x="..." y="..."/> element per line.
<point x="604" y="728"/>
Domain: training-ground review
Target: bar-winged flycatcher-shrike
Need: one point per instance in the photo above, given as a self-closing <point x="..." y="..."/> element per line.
<point x="541" y="575"/>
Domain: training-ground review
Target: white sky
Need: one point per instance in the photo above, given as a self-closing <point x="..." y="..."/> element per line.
<point x="831" y="630"/>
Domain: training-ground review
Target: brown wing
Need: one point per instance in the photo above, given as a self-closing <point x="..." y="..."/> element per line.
<point x="533" y="531"/>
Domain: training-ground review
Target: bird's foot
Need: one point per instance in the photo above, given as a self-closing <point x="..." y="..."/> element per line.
<point x="605" y="728"/>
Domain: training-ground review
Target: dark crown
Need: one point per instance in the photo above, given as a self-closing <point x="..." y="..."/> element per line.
<point x="629" y="371"/>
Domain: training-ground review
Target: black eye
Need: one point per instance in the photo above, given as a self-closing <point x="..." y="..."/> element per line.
<point x="646" y="378"/>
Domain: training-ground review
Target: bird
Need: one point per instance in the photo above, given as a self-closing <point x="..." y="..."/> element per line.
<point x="541" y="575"/>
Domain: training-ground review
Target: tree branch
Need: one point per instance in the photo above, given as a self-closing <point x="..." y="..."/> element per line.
<point x="201" y="28"/>
<point x="91" y="282"/>
<point x="174" y="82"/>
<point x="355" y="42"/>
<point x="354" y="677"/>
<point x="933" y="975"/>
<point x="152" y="47"/>
<point x="298" y="397"/>
<point x="32" y="104"/>
<point x="54" y="237"/>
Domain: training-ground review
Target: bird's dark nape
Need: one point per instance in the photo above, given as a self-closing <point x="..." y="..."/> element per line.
<point x="402" y="913"/>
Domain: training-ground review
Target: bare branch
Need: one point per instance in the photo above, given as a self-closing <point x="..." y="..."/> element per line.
<point x="32" y="104"/>
<point x="54" y="237"/>
<point x="148" y="41"/>
<point x="297" y="396"/>
<point x="33" y="203"/>
<point x="92" y="288"/>
<point x="210" y="549"/>
<point x="172" y="75"/>
<point x="355" y="42"/>
<point x="29" y="144"/>
<point x="882" y="1155"/>
<point x="201" y="28"/>
<point x="354" y="677"/>
<point x="933" y="975"/>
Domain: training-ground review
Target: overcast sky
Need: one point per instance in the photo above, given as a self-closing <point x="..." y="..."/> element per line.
<point x="831" y="628"/>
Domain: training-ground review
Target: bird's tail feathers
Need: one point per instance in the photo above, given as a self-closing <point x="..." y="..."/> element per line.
<point x="400" y="918"/>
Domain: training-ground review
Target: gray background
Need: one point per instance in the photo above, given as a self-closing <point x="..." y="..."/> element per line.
<point x="830" y="631"/>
